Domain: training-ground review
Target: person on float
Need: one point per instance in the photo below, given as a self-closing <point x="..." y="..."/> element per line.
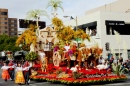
<point x="11" y="70"/>
<point x="19" y="79"/>
<point x="72" y="53"/>
<point x="5" y="73"/>
<point x="66" y="54"/>
<point x="26" y="72"/>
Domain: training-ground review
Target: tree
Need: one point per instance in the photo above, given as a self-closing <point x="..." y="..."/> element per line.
<point x="7" y="43"/>
<point x="35" y="15"/>
<point x="55" y="4"/>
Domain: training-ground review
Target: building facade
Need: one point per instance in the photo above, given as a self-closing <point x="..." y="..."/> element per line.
<point x="103" y="27"/>
<point x="7" y="25"/>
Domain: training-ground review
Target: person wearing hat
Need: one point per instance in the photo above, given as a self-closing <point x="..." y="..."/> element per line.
<point x="11" y="70"/>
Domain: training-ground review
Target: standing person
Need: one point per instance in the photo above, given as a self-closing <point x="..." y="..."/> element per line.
<point x="5" y="73"/>
<point x="11" y="70"/>
<point x="19" y="79"/>
<point x="26" y="72"/>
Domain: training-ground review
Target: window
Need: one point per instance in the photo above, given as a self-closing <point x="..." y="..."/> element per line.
<point x="12" y="21"/>
<point x="48" y="46"/>
<point x="3" y="23"/>
<point x="12" y="33"/>
<point x="120" y="26"/>
<point x="3" y="18"/>
<point x="12" y="25"/>
<point x="3" y="13"/>
<point x="3" y="27"/>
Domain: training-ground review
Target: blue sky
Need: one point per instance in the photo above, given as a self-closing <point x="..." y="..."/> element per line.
<point x="19" y="8"/>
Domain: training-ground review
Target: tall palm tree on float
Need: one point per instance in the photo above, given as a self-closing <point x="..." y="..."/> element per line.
<point x="35" y="15"/>
<point x="55" y="4"/>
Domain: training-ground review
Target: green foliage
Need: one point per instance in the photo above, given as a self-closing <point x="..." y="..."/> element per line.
<point x="55" y="4"/>
<point x="8" y="43"/>
<point x="76" y="75"/>
<point x="31" y="56"/>
<point x="117" y="69"/>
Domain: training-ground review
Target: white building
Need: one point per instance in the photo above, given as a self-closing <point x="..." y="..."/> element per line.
<point x="105" y="20"/>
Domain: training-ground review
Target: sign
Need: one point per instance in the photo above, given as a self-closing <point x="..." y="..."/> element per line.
<point x="111" y="23"/>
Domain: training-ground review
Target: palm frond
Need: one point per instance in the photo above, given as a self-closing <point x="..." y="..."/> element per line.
<point x="34" y="14"/>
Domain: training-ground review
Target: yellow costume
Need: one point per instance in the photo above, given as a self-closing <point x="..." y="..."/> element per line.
<point x="19" y="76"/>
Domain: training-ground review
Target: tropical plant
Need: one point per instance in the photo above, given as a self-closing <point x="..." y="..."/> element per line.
<point x="117" y="69"/>
<point x="31" y="56"/>
<point x="55" y="4"/>
<point x="35" y="15"/>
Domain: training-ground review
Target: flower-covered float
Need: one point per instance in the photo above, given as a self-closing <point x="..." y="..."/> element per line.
<point x="72" y="62"/>
<point x="72" y="71"/>
<point x="67" y="61"/>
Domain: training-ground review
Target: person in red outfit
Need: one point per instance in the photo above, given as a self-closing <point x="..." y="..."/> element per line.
<point x="26" y="72"/>
<point x="11" y="70"/>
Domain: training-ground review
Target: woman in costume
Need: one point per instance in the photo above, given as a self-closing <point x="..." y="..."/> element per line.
<point x="19" y="79"/>
<point x="5" y="73"/>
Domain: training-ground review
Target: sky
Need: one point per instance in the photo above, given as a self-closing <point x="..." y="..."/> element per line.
<point x="19" y="8"/>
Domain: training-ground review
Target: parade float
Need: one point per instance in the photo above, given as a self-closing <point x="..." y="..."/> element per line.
<point x="65" y="60"/>
<point x="70" y="62"/>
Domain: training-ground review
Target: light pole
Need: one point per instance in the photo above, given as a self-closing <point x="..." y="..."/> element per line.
<point x="73" y="19"/>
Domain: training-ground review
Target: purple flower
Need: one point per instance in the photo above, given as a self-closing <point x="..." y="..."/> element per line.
<point x="56" y="48"/>
<point x="70" y="52"/>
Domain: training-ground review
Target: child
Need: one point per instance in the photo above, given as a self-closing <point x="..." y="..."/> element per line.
<point x="5" y="73"/>
<point x="19" y="79"/>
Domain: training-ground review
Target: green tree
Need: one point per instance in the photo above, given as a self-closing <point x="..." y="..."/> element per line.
<point x="35" y="15"/>
<point x="7" y="43"/>
<point x="55" y="4"/>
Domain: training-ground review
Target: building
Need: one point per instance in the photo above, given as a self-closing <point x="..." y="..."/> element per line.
<point x="104" y="24"/>
<point x="7" y="25"/>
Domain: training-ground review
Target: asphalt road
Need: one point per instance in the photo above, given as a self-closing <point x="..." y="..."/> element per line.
<point x="34" y="83"/>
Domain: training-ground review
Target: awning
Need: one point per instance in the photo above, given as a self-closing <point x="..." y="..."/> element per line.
<point x="90" y="24"/>
<point x="112" y="22"/>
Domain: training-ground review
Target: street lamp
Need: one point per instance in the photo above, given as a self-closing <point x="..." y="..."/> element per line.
<point x="73" y="19"/>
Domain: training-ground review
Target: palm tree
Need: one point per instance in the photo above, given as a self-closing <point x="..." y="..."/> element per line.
<point x="35" y="15"/>
<point x="55" y="4"/>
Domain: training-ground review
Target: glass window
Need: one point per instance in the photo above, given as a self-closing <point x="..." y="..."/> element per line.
<point x="48" y="46"/>
<point x="3" y="18"/>
<point x="3" y="13"/>
<point x="12" y="24"/>
<point x="3" y="27"/>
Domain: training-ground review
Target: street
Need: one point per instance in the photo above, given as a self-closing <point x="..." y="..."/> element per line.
<point x="35" y="83"/>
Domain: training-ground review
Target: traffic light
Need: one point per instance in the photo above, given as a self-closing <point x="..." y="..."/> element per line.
<point x="107" y="46"/>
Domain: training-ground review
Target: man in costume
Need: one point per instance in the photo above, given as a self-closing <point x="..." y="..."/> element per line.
<point x="11" y="70"/>
<point x="26" y="72"/>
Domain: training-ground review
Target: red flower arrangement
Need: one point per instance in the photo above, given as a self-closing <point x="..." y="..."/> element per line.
<point x="91" y="76"/>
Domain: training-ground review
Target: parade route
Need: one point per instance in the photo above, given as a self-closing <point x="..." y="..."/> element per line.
<point x="35" y="83"/>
